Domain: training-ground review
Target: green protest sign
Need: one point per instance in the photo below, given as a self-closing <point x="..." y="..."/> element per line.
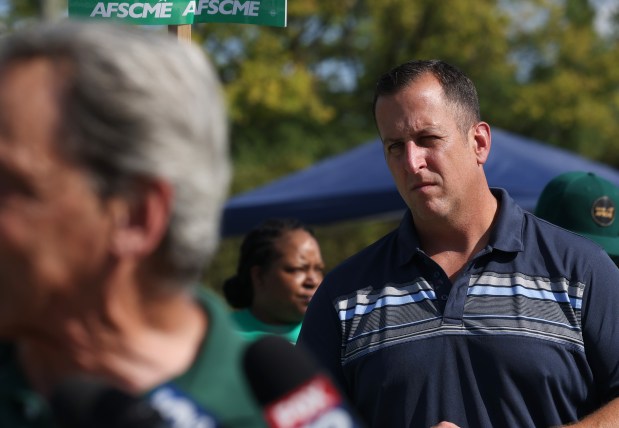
<point x="179" y="12"/>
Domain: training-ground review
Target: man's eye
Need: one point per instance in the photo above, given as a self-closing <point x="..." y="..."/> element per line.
<point x="427" y="140"/>
<point x="395" y="148"/>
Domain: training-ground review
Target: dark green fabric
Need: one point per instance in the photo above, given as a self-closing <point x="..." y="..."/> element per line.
<point x="216" y="377"/>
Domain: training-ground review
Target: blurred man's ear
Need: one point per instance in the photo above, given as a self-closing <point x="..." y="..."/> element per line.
<point x="141" y="220"/>
<point x="482" y="140"/>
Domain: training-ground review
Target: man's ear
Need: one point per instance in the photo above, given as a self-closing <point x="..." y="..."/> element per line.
<point x="482" y="141"/>
<point x="141" y="219"/>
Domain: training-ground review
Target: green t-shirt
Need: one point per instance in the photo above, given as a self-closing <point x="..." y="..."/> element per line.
<point x="215" y="381"/>
<point x="252" y="328"/>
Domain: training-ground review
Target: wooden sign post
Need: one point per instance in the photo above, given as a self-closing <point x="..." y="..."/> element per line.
<point x="182" y="32"/>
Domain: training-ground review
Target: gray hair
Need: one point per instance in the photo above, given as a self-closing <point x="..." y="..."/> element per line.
<point x="139" y="105"/>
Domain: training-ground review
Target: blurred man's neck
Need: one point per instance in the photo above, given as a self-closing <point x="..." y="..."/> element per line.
<point x="134" y="345"/>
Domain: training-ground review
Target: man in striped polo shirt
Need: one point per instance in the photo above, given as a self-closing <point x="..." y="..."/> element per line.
<point x="473" y="312"/>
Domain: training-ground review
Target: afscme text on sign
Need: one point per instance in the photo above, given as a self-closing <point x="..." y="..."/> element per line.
<point x="167" y="12"/>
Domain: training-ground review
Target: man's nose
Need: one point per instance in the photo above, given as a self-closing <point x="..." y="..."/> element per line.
<point x="415" y="157"/>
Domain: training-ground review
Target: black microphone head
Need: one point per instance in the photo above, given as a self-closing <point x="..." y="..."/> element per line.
<point x="274" y="367"/>
<point x="86" y="402"/>
<point x="292" y="389"/>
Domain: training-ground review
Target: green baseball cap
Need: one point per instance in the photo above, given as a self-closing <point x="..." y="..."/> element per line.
<point x="583" y="203"/>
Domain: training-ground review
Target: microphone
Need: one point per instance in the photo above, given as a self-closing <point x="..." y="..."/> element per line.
<point x="85" y="402"/>
<point x="291" y="388"/>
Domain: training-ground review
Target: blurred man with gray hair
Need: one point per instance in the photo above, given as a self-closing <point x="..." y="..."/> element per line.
<point x="113" y="171"/>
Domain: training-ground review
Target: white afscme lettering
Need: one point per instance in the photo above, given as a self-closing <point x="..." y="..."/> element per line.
<point x="132" y="10"/>
<point x="223" y="7"/>
<point x="191" y="8"/>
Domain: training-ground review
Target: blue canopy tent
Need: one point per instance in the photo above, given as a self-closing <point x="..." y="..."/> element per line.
<point x="357" y="183"/>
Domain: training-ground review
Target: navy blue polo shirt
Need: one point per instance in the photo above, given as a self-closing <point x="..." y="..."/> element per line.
<point x="526" y="336"/>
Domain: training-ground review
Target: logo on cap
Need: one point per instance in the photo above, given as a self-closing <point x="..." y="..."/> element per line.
<point x="603" y="211"/>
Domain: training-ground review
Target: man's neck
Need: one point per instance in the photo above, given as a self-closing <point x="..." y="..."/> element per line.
<point x="453" y="242"/>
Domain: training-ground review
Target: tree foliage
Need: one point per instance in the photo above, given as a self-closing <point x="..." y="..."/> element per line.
<point x="20" y="12"/>
<point x="570" y="97"/>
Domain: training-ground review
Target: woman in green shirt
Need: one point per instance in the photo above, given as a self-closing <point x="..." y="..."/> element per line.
<point x="280" y="267"/>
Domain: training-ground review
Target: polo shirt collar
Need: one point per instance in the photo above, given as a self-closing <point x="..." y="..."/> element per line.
<point x="506" y="235"/>
<point x="508" y="231"/>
